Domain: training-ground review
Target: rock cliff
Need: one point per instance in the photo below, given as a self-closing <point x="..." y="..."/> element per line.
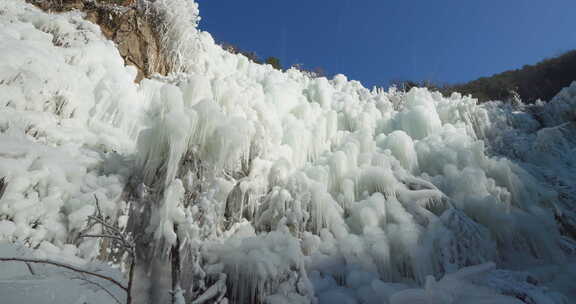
<point x="125" y="24"/>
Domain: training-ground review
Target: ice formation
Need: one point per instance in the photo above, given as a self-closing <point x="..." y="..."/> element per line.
<point x="279" y="187"/>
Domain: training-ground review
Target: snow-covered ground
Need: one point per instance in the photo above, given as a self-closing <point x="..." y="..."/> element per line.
<point x="283" y="188"/>
<point x="41" y="283"/>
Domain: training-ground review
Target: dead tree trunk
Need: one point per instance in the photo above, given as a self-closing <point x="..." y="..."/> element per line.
<point x="175" y="262"/>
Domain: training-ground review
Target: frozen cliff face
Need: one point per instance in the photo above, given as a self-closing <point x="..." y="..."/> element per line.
<point x="278" y="187"/>
<point x="69" y="111"/>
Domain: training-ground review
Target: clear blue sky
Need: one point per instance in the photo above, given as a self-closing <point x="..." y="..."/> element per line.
<point x="376" y="41"/>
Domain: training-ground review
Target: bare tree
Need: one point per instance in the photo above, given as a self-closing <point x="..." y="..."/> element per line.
<point x="111" y="231"/>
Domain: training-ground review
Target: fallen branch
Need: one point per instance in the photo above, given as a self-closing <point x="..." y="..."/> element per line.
<point x="69" y="267"/>
<point x="84" y="279"/>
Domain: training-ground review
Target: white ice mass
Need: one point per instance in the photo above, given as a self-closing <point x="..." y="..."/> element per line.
<point x="277" y="187"/>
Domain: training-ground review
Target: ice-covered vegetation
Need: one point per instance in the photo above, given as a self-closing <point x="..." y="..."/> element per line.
<point x="274" y="187"/>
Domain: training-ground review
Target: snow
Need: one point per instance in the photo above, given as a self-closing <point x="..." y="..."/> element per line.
<point x="38" y="283"/>
<point x="453" y="288"/>
<point x="283" y="188"/>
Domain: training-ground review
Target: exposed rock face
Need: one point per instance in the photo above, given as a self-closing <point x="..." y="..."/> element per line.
<point x="123" y="23"/>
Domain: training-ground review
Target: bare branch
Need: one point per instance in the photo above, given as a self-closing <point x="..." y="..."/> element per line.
<point x="107" y="236"/>
<point x="83" y="278"/>
<point x="100" y="220"/>
<point x="30" y="269"/>
<point x="3" y="185"/>
<point x="69" y="267"/>
<point x="98" y="210"/>
<point x="121" y="242"/>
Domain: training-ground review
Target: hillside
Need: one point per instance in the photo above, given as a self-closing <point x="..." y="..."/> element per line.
<point x="532" y="82"/>
<point x="225" y="181"/>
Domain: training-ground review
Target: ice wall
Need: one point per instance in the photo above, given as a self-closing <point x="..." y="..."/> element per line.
<point x="284" y="188"/>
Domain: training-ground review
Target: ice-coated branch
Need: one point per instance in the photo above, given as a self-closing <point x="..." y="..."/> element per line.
<point x="99" y="219"/>
<point x="110" y="231"/>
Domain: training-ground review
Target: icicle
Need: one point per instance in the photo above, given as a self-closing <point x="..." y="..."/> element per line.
<point x="170" y="212"/>
<point x="402" y="148"/>
<point x="376" y="180"/>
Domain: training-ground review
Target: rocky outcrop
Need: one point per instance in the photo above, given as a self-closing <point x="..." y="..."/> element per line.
<point x="120" y="21"/>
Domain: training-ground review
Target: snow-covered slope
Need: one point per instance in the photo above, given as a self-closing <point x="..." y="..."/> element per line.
<point x="280" y="188"/>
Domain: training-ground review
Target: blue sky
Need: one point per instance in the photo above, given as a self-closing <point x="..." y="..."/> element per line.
<point x="378" y="41"/>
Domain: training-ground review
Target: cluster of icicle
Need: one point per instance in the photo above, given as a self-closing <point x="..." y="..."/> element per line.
<point x="283" y="188"/>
